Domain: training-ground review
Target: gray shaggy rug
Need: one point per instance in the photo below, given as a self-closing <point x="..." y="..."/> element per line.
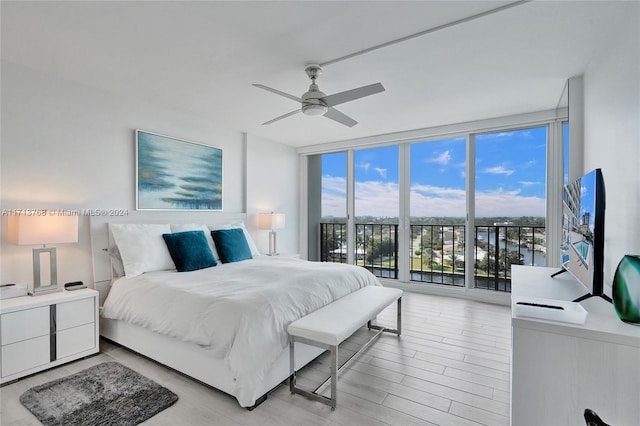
<point x="105" y="394"/>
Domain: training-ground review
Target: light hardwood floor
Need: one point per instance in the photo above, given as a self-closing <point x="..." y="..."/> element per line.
<point x="450" y="367"/>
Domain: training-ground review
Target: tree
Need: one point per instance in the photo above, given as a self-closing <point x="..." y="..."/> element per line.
<point x="377" y="249"/>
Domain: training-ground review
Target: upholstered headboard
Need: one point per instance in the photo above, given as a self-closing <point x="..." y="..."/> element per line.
<point x="102" y="240"/>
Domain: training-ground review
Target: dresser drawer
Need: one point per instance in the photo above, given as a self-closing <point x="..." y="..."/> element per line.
<point x="75" y="313"/>
<point x="75" y="340"/>
<point x="23" y="325"/>
<point x="24" y="355"/>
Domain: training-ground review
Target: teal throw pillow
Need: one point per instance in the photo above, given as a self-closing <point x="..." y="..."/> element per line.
<point x="189" y="250"/>
<point x="231" y="245"/>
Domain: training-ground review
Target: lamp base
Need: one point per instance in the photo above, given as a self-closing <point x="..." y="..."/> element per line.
<point x="272" y="244"/>
<point x="52" y="287"/>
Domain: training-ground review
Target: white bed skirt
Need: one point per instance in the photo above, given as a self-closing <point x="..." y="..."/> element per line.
<point x="192" y="360"/>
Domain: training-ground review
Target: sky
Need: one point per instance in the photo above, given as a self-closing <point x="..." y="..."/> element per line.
<point x="588" y="197"/>
<point x="510" y="177"/>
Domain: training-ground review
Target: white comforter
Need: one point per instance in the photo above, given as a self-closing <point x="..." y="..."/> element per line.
<point x="239" y="311"/>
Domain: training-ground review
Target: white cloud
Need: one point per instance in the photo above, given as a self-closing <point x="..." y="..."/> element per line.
<point x="494" y="135"/>
<point x="364" y="166"/>
<point x="528" y="183"/>
<point x="382" y="172"/>
<point x="498" y="170"/>
<point x="334" y="196"/>
<point x="429" y="200"/>
<point x="508" y="203"/>
<point x="443" y="158"/>
<point x="375" y="198"/>
<point x="438" y="191"/>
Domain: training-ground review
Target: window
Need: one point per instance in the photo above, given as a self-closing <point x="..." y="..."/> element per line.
<point x="510" y="206"/>
<point x="410" y="203"/>
<point x="376" y="204"/>
<point x="333" y="225"/>
<point x="438" y="211"/>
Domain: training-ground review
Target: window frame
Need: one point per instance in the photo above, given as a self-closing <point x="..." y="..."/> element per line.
<point x="553" y="119"/>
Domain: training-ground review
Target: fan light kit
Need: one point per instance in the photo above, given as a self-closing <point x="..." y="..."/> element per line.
<point x="315" y="102"/>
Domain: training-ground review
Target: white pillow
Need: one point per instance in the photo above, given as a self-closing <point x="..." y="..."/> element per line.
<point x="252" y="244"/>
<point x="142" y="247"/>
<point x="181" y="227"/>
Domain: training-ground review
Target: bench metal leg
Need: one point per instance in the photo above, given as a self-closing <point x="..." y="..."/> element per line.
<point x="398" y="329"/>
<point x="292" y="366"/>
<point x="334" y="377"/>
<point x="315" y="395"/>
<point x="399" y="317"/>
<point x="335" y="371"/>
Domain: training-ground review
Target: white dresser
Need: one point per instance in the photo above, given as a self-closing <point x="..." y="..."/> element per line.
<point x="559" y="369"/>
<point x="40" y="332"/>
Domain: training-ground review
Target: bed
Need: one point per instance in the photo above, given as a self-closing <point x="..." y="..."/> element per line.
<point x="209" y="323"/>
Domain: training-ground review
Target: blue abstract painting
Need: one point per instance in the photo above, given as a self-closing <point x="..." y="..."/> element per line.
<point x="175" y="174"/>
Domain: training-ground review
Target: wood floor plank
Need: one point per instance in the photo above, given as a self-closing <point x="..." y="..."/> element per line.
<point x="499" y="384"/>
<point x="458" y="395"/>
<point x="381" y="412"/>
<point x="437" y="364"/>
<point x="428" y="414"/>
<point x="502" y="364"/>
<point x="478" y="415"/>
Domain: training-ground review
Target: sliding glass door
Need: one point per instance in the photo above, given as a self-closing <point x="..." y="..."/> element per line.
<point x="333" y="221"/>
<point x="456" y="211"/>
<point x="376" y="204"/>
<point x="438" y="211"/>
<point x="510" y="205"/>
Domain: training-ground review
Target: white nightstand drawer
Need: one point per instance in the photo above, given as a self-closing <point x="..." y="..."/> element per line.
<point x="23" y="325"/>
<point x="73" y="314"/>
<point x="75" y="340"/>
<point x="25" y="355"/>
<point x="46" y="331"/>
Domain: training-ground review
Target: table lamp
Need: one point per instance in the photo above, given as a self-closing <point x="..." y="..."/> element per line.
<point x="43" y="229"/>
<point x="271" y="221"/>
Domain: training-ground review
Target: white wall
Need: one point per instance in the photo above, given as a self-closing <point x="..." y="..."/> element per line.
<point x="612" y="138"/>
<point x="70" y="146"/>
<point x="273" y="186"/>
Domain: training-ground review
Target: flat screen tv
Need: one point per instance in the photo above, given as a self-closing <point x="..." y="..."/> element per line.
<point x="583" y="202"/>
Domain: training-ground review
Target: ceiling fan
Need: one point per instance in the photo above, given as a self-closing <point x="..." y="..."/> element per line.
<point x="314" y="102"/>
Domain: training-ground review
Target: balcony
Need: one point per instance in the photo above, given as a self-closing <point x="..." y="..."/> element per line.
<point x="437" y="253"/>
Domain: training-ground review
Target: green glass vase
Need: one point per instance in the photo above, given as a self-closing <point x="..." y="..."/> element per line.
<point x="626" y="289"/>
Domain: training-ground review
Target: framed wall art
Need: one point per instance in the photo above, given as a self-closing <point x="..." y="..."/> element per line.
<point x="174" y="174"/>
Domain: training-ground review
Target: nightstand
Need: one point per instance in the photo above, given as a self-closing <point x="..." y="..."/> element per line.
<point x="40" y="332"/>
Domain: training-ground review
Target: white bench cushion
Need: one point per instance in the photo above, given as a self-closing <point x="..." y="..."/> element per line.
<point x="335" y="322"/>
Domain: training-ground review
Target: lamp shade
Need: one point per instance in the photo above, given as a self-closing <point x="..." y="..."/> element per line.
<point x="45" y="229"/>
<point x="271" y="220"/>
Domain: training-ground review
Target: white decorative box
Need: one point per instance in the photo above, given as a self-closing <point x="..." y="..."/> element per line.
<point x="549" y="309"/>
<point x="7" y="291"/>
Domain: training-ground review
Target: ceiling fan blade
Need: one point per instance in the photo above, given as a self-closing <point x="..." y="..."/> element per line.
<point x="341" y="118"/>
<point x="278" y="92"/>
<point x="353" y="94"/>
<point x="282" y="116"/>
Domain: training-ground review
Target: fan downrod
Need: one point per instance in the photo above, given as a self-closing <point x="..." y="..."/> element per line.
<point x="313" y="71"/>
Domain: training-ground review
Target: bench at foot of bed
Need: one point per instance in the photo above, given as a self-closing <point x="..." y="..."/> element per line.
<point x="332" y="324"/>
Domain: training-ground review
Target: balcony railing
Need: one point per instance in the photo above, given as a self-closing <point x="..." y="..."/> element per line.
<point x="437" y="253"/>
<point x="377" y="246"/>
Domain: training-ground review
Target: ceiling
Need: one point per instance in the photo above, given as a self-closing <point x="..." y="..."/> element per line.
<point x="202" y="57"/>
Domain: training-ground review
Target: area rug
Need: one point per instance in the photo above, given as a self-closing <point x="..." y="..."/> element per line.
<point x="105" y="394"/>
